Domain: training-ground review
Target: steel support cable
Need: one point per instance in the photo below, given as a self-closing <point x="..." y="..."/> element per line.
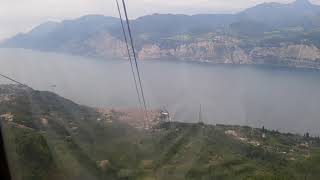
<point x="4" y="165"/>
<point x="15" y="81"/>
<point x="135" y="59"/>
<point x="129" y="55"/>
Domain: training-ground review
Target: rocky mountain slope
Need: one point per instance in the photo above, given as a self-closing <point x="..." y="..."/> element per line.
<point x="269" y="33"/>
<point x="49" y="137"/>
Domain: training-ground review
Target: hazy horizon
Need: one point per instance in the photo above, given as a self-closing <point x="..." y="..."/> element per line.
<point x="17" y="16"/>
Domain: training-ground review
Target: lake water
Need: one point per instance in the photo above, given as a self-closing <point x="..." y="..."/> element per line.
<point x="277" y="98"/>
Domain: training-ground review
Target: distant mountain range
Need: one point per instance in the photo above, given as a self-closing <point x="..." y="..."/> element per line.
<point x="269" y="33"/>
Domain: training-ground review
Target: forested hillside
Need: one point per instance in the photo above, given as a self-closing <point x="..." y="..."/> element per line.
<point x="49" y="137"/>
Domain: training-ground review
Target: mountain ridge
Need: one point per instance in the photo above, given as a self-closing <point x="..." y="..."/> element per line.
<point x="247" y="37"/>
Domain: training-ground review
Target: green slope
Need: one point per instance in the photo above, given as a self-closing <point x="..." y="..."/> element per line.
<point x="48" y="137"/>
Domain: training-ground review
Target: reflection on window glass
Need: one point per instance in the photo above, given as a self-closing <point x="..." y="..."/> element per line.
<point x="199" y="90"/>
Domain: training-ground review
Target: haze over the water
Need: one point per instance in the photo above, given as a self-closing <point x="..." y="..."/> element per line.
<point x="283" y="99"/>
<point x="21" y="15"/>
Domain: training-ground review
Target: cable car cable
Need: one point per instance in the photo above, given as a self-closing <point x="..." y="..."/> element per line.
<point x="129" y="55"/>
<point x="135" y="59"/>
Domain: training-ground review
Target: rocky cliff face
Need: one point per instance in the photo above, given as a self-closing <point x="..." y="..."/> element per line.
<point x="219" y="49"/>
<point x="207" y="51"/>
<point x="105" y="45"/>
<point x="297" y="55"/>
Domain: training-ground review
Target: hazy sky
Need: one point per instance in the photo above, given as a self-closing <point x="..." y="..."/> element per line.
<point x="21" y="15"/>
